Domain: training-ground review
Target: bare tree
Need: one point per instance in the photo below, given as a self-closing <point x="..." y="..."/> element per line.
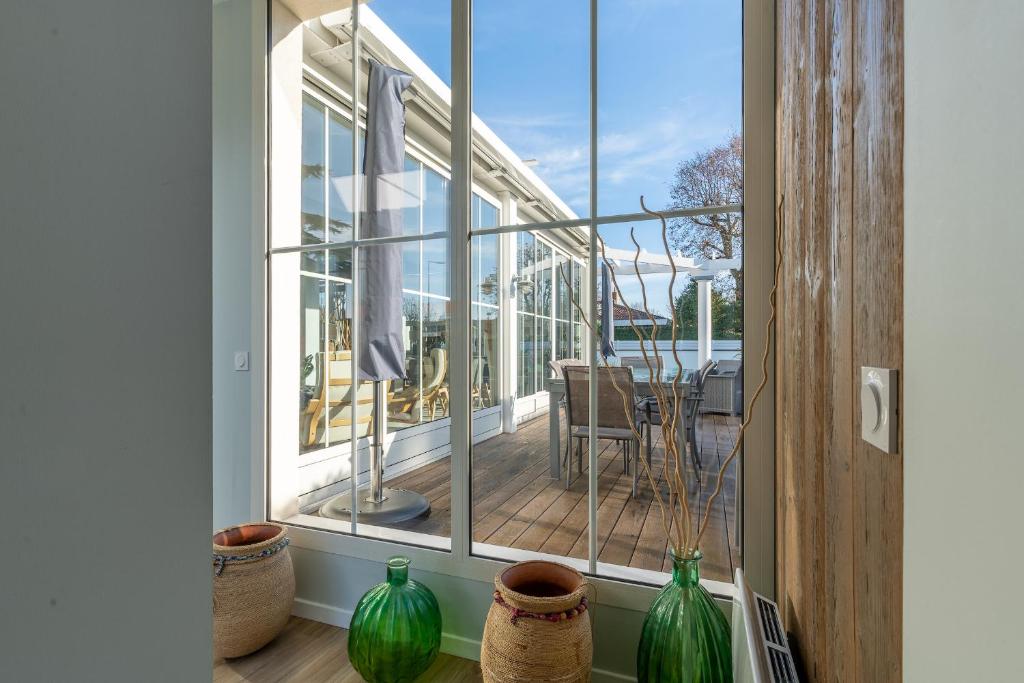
<point x="713" y="177"/>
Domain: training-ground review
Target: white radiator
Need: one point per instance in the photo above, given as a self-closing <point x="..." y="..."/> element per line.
<point x="760" y="651"/>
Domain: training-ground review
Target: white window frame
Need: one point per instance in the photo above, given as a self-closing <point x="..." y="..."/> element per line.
<point x="616" y="587"/>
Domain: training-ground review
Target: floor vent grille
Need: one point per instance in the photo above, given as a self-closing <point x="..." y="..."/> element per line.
<point x="776" y="648"/>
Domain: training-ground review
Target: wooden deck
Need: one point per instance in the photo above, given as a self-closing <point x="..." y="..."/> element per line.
<point x="516" y="503"/>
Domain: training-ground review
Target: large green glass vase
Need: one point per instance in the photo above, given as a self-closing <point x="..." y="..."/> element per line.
<point x="396" y="629"/>
<point x="685" y="636"/>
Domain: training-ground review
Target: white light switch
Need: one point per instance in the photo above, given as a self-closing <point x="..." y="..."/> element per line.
<point x="241" y="361"/>
<point x="878" y="403"/>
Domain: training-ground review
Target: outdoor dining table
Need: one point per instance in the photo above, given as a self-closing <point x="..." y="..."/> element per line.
<point x="641" y="387"/>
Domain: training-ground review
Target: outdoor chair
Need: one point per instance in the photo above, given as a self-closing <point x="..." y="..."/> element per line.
<point x="558" y="369"/>
<point x="615" y="421"/>
<point x="434" y="393"/>
<point x="333" y="400"/>
<point x="692" y="394"/>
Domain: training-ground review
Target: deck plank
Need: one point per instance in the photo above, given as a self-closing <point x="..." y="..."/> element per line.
<point x="517" y="504"/>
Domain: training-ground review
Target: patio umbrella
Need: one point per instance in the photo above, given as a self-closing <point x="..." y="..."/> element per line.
<point x="381" y="345"/>
<point x="607" y="319"/>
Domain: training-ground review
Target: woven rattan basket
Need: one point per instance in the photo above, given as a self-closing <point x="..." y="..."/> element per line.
<point x="253" y="587"/>
<point x="537" y="628"/>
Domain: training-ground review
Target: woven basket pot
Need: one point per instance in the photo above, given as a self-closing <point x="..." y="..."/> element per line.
<point x="537" y="628"/>
<point x="253" y="587"/>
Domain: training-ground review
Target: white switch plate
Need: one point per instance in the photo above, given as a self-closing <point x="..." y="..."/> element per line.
<point x="879" y="400"/>
<point x="241" y="361"/>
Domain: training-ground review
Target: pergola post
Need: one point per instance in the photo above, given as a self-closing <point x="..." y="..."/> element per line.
<point x="703" y="319"/>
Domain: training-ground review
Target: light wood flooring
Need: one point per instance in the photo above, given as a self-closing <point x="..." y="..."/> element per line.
<point x="517" y="504"/>
<point x="311" y="652"/>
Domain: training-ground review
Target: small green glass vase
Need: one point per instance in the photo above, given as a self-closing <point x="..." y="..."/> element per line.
<point x="685" y="637"/>
<point x="395" y="633"/>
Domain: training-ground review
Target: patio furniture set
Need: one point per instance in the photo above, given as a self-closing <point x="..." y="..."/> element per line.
<point x="625" y="398"/>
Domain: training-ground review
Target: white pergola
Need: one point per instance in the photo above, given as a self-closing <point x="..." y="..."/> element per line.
<point x="625" y="261"/>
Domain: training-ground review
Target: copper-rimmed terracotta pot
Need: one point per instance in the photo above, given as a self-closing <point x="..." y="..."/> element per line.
<point x="253" y="587"/>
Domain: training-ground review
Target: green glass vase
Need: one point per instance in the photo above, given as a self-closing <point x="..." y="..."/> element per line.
<point x="396" y="629"/>
<point x="685" y="637"/>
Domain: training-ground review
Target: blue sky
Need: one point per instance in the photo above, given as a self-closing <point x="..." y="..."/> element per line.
<point x="669" y="85"/>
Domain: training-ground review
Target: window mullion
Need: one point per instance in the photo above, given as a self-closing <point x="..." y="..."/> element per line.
<point x="325" y="271"/>
<point x="591" y="308"/>
<point x="461" y="328"/>
<point x="355" y="325"/>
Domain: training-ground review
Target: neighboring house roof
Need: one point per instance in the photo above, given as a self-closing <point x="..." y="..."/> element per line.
<point x="621" y="313"/>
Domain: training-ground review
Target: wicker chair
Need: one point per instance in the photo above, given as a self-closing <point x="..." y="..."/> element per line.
<point x="614" y="423"/>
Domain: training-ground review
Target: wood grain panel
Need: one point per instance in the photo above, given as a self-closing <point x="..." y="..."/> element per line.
<point x="839" y="165"/>
<point x="878" y="326"/>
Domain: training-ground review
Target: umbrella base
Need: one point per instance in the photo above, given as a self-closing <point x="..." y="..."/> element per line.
<point x="398" y="505"/>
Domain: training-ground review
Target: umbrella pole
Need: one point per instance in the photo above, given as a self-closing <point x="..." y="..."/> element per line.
<point x="377" y="449"/>
<point x="381" y="505"/>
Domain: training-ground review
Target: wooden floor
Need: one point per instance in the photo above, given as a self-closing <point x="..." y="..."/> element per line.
<point x="516" y="503"/>
<point x="310" y="652"/>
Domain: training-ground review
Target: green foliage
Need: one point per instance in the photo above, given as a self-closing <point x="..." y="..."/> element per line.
<point x="726" y="317"/>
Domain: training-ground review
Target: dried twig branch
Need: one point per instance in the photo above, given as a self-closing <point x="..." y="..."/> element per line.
<point x="675" y="517"/>
<point x="779" y="233"/>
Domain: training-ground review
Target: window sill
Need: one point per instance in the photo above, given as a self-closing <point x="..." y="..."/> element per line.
<point x="617" y="587"/>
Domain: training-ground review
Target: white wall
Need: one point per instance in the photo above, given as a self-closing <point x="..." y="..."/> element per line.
<point x="238" y="177"/>
<point x="328" y="587"/>
<point x="963" y="455"/>
<point x="105" y="456"/>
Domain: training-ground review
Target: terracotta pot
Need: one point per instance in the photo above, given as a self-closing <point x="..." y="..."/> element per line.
<point x="537" y="628"/>
<point x="253" y="587"/>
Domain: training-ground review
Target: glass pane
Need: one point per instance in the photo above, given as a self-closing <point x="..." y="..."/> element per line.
<point x="541" y="49"/>
<point x="339" y="195"/>
<point x="483" y="373"/>
<point x="487" y="376"/>
<point x="434" y="369"/>
<point x="418" y="448"/>
<point x="544" y="283"/>
<point x="313" y="172"/>
<point x="525" y="259"/>
<point x="312" y="362"/>
<point x="563" y="340"/>
<point x="486" y="260"/>
<point x="340" y="262"/>
<point x="339" y="370"/>
<point x="412" y="181"/>
<point x="708" y="407"/>
<point x="563" y="278"/>
<point x="436" y="274"/>
<point x="488" y="215"/>
<point x="436" y="202"/>
<point x="411" y="266"/>
<point x="404" y="403"/>
<point x="665" y="119"/>
<point x="474" y="257"/>
<point x="577" y="293"/>
<point x="526" y="357"/>
<point x="411" y="215"/>
<point x="543" y="353"/>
